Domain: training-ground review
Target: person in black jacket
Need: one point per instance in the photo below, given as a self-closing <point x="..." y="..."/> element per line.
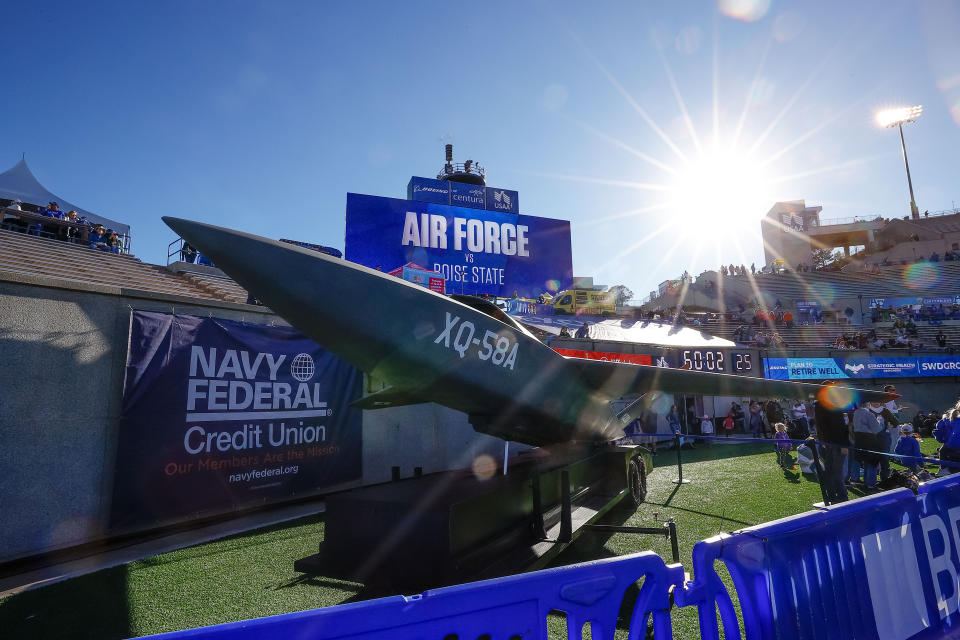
<point x="834" y="437"/>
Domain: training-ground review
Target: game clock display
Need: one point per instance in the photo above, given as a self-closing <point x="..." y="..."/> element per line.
<point x="715" y="361"/>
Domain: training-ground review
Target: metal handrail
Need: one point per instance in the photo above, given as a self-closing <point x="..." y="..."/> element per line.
<point x="875" y="218"/>
<point x="452" y="168"/>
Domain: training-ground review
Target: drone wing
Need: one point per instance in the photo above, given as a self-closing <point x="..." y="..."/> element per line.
<point x="616" y="379"/>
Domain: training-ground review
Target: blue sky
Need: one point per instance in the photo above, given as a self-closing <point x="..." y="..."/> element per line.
<point x="263" y="115"/>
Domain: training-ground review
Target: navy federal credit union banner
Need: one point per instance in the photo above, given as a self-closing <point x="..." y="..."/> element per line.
<point x="477" y="251"/>
<point x="885" y="367"/>
<point x="220" y="414"/>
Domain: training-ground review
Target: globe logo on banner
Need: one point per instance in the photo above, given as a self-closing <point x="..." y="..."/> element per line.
<point x="302" y="367"/>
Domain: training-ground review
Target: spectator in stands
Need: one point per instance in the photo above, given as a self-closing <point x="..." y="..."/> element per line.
<point x="908" y="448"/>
<point x="52" y="210"/>
<point x="741" y="334"/>
<point x="778" y="341"/>
<point x="941" y="339"/>
<point x="788" y="319"/>
<point x="753" y="268"/>
<point x="98" y="238"/>
<point x="564" y="332"/>
<point x="911" y="327"/>
<point x="583" y="332"/>
<point x="189" y="254"/>
<point x="113" y="241"/>
<point x="934" y="257"/>
<point x="15" y="205"/>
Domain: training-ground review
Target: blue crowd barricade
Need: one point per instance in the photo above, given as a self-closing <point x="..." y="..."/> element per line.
<point x="885" y="567"/>
<point x="512" y="607"/>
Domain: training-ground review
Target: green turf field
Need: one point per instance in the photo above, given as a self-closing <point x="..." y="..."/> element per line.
<point x="251" y="575"/>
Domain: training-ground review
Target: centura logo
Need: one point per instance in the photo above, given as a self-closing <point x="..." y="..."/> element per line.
<point x="302" y="367"/>
<point x="854" y="368"/>
<point x="503" y="198"/>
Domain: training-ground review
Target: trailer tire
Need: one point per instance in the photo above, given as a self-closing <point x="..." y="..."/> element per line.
<point x="637" y="480"/>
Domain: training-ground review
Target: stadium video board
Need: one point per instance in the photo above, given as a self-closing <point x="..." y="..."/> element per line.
<point x="839" y="368"/>
<point x="477" y="251"/>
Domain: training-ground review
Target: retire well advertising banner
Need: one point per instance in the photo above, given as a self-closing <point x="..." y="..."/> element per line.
<point x="477" y="251"/>
<point x="886" y="367"/>
<point x="219" y="415"/>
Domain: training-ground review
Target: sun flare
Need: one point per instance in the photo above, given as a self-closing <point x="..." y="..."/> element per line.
<point x="723" y="188"/>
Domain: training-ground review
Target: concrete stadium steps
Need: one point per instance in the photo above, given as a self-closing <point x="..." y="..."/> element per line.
<point x="27" y="254"/>
<point x="223" y="286"/>
<point x="814" y="285"/>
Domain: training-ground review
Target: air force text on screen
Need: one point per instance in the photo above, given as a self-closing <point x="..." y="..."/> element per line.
<point x="468" y="234"/>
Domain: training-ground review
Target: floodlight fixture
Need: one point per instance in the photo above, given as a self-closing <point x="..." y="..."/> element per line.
<point x="893" y="117"/>
<point x="897" y="118"/>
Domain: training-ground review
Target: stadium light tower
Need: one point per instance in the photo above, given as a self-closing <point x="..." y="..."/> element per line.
<point x="897" y="118"/>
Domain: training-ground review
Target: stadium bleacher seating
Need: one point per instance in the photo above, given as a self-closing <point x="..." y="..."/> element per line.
<point x="728" y="293"/>
<point x="31" y="255"/>
<point x="819" y="336"/>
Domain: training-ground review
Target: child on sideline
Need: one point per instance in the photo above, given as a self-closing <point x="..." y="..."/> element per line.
<point x="728" y="424"/>
<point x="908" y="448"/>
<point x="783" y="445"/>
<point x="706" y="428"/>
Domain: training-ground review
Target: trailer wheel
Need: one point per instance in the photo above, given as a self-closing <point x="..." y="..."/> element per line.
<point x="637" y="480"/>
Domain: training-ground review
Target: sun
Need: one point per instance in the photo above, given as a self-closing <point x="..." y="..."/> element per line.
<point x="722" y="190"/>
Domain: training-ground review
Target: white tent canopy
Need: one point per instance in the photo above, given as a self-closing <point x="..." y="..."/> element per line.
<point x="19" y="183"/>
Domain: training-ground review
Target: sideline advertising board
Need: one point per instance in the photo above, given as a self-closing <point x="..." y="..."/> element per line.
<point x="893" y="303"/>
<point x="478" y="252"/>
<point x="886" y="367"/>
<point x="218" y="415"/>
<point x="633" y="358"/>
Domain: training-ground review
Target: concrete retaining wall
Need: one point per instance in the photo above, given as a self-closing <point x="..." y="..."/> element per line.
<point x="63" y="348"/>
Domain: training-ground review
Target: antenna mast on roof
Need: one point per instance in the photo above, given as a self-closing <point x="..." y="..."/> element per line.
<point x="469" y="172"/>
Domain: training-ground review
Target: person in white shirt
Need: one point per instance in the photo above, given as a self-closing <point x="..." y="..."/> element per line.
<point x="800" y="416"/>
<point x="706" y="427"/>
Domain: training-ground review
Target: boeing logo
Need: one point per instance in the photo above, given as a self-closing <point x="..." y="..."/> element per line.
<point x="419" y="187"/>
